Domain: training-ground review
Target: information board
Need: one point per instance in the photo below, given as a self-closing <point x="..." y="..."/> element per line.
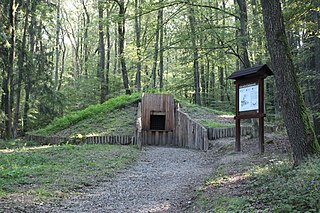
<point x="248" y="97"/>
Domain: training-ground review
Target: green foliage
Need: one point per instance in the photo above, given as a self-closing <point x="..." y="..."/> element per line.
<point x="284" y="189"/>
<point x="48" y="172"/>
<point x="75" y="117"/>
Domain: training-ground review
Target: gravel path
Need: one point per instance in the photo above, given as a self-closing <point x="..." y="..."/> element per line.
<point x="163" y="180"/>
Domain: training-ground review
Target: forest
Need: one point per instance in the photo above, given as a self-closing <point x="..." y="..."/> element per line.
<point x="58" y="56"/>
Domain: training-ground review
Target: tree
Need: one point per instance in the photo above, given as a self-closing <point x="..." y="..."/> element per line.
<point x="299" y="129"/>
<point x="101" y="65"/>
<point x="196" y="76"/>
<point x="8" y="86"/>
<point x="121" y="41"/>
<point x="137" y="25"/>
<point x="21" y="68"/>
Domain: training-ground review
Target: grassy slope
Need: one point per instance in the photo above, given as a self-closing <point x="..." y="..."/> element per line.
<point x="208" y="117"/>
<point x="106" y="118"/>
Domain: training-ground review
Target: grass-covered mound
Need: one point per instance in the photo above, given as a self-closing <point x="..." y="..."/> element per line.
<point x="208" y="117"/>
<point x="97" y="119"/>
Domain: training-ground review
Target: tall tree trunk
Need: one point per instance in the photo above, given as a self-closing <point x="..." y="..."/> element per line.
<point x="161" y="50"/>
<point x="203" y="84"/>
<point x="116" y="49"/>
<point x="137" y="24"/>
<point x="193" y="36"/>
<point x="121" y="38"/>
<point x="28" y="78"/>
<point x="108" y="52"/>
<point x="156" y="51"/>
<point x="20" y="70"/>
<point x="85" y="39"/>
<point x="63" y="59"/>
<point x="8" y="86"/>
<point x="101" y="53"/>
<point x="256" y="26"/>
<point x="221" y="82"/>
<point x="299" y="129"/>
<point x="58" y="26"/>
<point x="243" y="33"/>
<point x="316" y="98"/>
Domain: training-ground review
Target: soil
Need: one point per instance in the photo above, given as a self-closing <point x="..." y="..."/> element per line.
<point x="165" y="179"/>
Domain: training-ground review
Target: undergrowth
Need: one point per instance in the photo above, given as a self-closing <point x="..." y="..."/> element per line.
<point x="274" y="187"/>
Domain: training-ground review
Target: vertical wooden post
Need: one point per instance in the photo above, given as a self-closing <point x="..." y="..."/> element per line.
<point x="261" y="118"/>
<point x="238" y="134"/>
<point x="238" y="130"/>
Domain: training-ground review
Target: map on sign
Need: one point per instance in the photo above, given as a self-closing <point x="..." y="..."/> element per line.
<point x="248" y="97"/>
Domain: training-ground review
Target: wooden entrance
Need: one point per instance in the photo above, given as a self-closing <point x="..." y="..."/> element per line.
<point x="157" y="119"/>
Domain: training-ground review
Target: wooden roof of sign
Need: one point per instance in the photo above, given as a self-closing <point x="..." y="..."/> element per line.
<point x="260" y="70"/>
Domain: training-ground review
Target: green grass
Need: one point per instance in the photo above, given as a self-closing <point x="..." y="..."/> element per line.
<point x="274" y="187"/>
<point x="15" y="144"/>
<point x="74" y="118"/>
<point x="117" y="122"/>
<point x="52" y="172"/>
<point x="213" y="124"/>
<point x="194" y="108"/>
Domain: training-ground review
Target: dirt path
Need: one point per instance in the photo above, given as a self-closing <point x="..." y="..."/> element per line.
<point x="164" y="180"/>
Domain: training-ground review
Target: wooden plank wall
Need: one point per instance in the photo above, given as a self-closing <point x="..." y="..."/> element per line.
<point x="110" y="139"/>
<point x="157" y="103"/>
<point x="138" y="132"/>
<point x="157" y="138"/>
<point x="223" y="132"/>
<point x="189" y="133"/>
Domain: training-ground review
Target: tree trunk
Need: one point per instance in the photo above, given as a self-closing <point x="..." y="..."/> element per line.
<point x="243" y="33"/>
<point x="116" y="49"/>
<point x="161" y="50"/>
<point x="58" y="26"/>
<point x="316" y="98"/>
<point x="63" y="59"/>
<point x="20" y="70"/>
<point x="108" y="53"/>
<point x="299" y="129"/>
<point x="27" y="86"/>
<point x="121" y="39"/>
<point x="8" y="86"/>
<point x="193" y="36"/>
<point x="221" y="82"/>
<point x="101" y="53"/>
<point x="137" y="24"/>
<point x="203" y="85"/>
<point x="156" y="51"/>
<point x="85" y="39"/>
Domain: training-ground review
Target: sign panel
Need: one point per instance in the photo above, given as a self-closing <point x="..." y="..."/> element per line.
<point x="248" y="97"/>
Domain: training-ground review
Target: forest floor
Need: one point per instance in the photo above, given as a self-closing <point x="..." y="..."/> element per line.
<point x="167" y="179"/>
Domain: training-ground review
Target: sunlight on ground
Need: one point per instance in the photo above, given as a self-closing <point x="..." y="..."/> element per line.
<point x="25" y="149"/>
<point x="225" y="116"/>
<point x="160" y="207"/>
<point x="228" y="179"/>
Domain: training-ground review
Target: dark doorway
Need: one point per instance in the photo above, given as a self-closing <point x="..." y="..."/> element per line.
<point x="157" y="122"/>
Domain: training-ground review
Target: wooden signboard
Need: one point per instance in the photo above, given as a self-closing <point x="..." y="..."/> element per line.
<point x="250" y="99"/>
